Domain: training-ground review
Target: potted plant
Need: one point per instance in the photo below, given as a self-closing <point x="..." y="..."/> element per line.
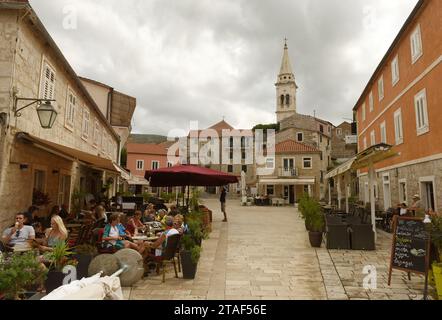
<point x="314" y="220"/>
<point x="58" y="258"/>
<point x="190" y="255"/>
<point x="84" y="254"/>
<point x="19" y="273"/>
<point x="436" y="238"/>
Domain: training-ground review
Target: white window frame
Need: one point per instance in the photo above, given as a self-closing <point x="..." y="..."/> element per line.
<point x="169" y="164"/>
<point x="138" y="166"/>
<point x="381" y="92"/>
<point x="69" y="120"/>
<point x="85" y="124"/>
<point x="395" y="73"/>
<point x="421" y="111"/>
<point x="403" y="198"/>
<point x="339" y="132"/>
<point x="371" y="101"/>
<point x="363" y="112"/>
<point x="152" y="166"/>
<point x="302" y="136"/>
<point x="383" y="128"/>
<point x="365" y="143"/>
<point x="270" y="160"/>
<point x="51" y="87"/>
<point x="416" y="45"/>
<point x="311" y="163"/>
<point x="372" y="138"/>
<point x="398" y="127"/>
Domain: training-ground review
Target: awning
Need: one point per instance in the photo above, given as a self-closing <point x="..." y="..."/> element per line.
<point x="137" y="181"/>
<point x="341" y="169"/>
<point x="287" y="181"/>
<point x="58" y="149"/>
<point x="124" y="174"/>
<point x="373" y="155"/>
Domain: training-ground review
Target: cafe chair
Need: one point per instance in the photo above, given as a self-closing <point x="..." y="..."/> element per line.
<point x="362" y="237"/>
<point x="99" y="242"/>
<point x="168" y="256"/>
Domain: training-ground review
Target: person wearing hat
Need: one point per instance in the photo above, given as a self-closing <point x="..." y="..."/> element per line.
<point x="222" y="199"/>
<point x="416" y="204"/>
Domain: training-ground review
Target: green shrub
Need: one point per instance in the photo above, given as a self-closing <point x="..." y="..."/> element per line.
<point x="19" y="272"/>
<point x="311" y="212"/>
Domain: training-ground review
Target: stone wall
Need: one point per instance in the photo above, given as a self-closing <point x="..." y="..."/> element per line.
<point x="31" y="54"/>
<point x="412" y="174"/>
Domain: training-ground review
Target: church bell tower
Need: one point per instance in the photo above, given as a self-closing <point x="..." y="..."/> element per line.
<point x="285" y="88"/>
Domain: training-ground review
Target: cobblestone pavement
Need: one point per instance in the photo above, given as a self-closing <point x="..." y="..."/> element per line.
<point x="264" y="253"/>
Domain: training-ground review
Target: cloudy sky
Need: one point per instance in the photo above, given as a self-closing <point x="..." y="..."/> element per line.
<point x="200" y="60"/>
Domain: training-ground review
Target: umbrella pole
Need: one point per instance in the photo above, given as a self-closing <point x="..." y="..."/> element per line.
<point x="188" y="196"/>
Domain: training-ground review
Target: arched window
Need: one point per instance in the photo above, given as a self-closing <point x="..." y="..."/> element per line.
<point x="282" y="100"/>
<point x="287" y="99"/>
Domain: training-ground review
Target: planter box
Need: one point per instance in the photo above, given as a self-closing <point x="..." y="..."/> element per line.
<point x="83" y="265"/>
<point x="315" y="239"/>
<point x="54" y="280"/>
<point x="188" y="267"/>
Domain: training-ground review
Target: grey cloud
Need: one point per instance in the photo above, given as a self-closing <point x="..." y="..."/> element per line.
<point x="202" y="60"/>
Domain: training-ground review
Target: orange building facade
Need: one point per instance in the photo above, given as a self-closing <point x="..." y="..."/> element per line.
<point x="402" y="106"/>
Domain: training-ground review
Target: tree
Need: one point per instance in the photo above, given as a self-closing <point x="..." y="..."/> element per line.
<point x="123" y="158"/>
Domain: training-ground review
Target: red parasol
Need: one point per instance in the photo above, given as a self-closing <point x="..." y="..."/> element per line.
<point x="188" y="175"/>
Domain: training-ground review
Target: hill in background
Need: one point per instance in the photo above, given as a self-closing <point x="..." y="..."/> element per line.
<point x="147" y="138"/>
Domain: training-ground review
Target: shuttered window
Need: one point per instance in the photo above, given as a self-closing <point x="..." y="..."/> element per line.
<point x="48" y="83"/>
<point x="70" y="110"/>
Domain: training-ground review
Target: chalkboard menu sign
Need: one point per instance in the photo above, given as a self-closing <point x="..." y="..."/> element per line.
<point x="411" y="246"/>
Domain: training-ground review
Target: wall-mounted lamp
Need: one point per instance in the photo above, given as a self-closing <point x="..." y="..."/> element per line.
<point x="45" y="110"/>
<point x="24" y="167"/>
<point x="55" y="171"/>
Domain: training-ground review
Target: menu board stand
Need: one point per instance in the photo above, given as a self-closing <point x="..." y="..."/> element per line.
<point x="410" y="250"/>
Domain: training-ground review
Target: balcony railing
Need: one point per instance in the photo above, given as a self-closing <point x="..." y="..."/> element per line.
<point x="288" y="172"/>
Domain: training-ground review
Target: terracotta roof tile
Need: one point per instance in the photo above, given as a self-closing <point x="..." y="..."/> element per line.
<point x="293" y="146"/>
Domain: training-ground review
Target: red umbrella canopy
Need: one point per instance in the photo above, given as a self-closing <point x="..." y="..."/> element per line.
<point x="188" y="175"/>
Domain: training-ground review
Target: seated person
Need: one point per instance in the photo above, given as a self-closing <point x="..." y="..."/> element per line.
<point x="100" y="213"/>
<point x="178" y="224"/>
<point x="150" y="215"/>
<point x="403" y="211"/>
<point x="55" y="211"/>
<point x="39" y="231"/>
<point x="134" y="223"/>
<point x="56" y="234"/>
<point x="161" y="243"/>
<point x="31" y="215"/>
<point x="115" y="234"/>
<point x="161" y="216"/>
<point x="19" y="234"/>
<point x="173" y="211"/>
<point x="64" y="213"/>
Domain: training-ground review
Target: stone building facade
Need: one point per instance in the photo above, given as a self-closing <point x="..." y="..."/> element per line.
<point x="400" y="106"/>
<point x="294" y="170"/>
<point x="81" y="149"/>
<point x="301" y="128"/>
<point x="343" y="144"/>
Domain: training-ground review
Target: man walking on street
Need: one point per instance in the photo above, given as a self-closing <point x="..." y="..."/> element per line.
<point x="222" y="199"/>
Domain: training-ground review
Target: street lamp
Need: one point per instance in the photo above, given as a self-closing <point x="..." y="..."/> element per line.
<point x="45" y="111"/>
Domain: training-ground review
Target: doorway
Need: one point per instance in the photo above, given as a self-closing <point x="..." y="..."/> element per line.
<point x="387" y="192"/>
<point x="428" y="195"/>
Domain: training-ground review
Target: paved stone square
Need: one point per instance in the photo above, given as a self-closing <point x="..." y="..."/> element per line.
<point x="264" y="253"/>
